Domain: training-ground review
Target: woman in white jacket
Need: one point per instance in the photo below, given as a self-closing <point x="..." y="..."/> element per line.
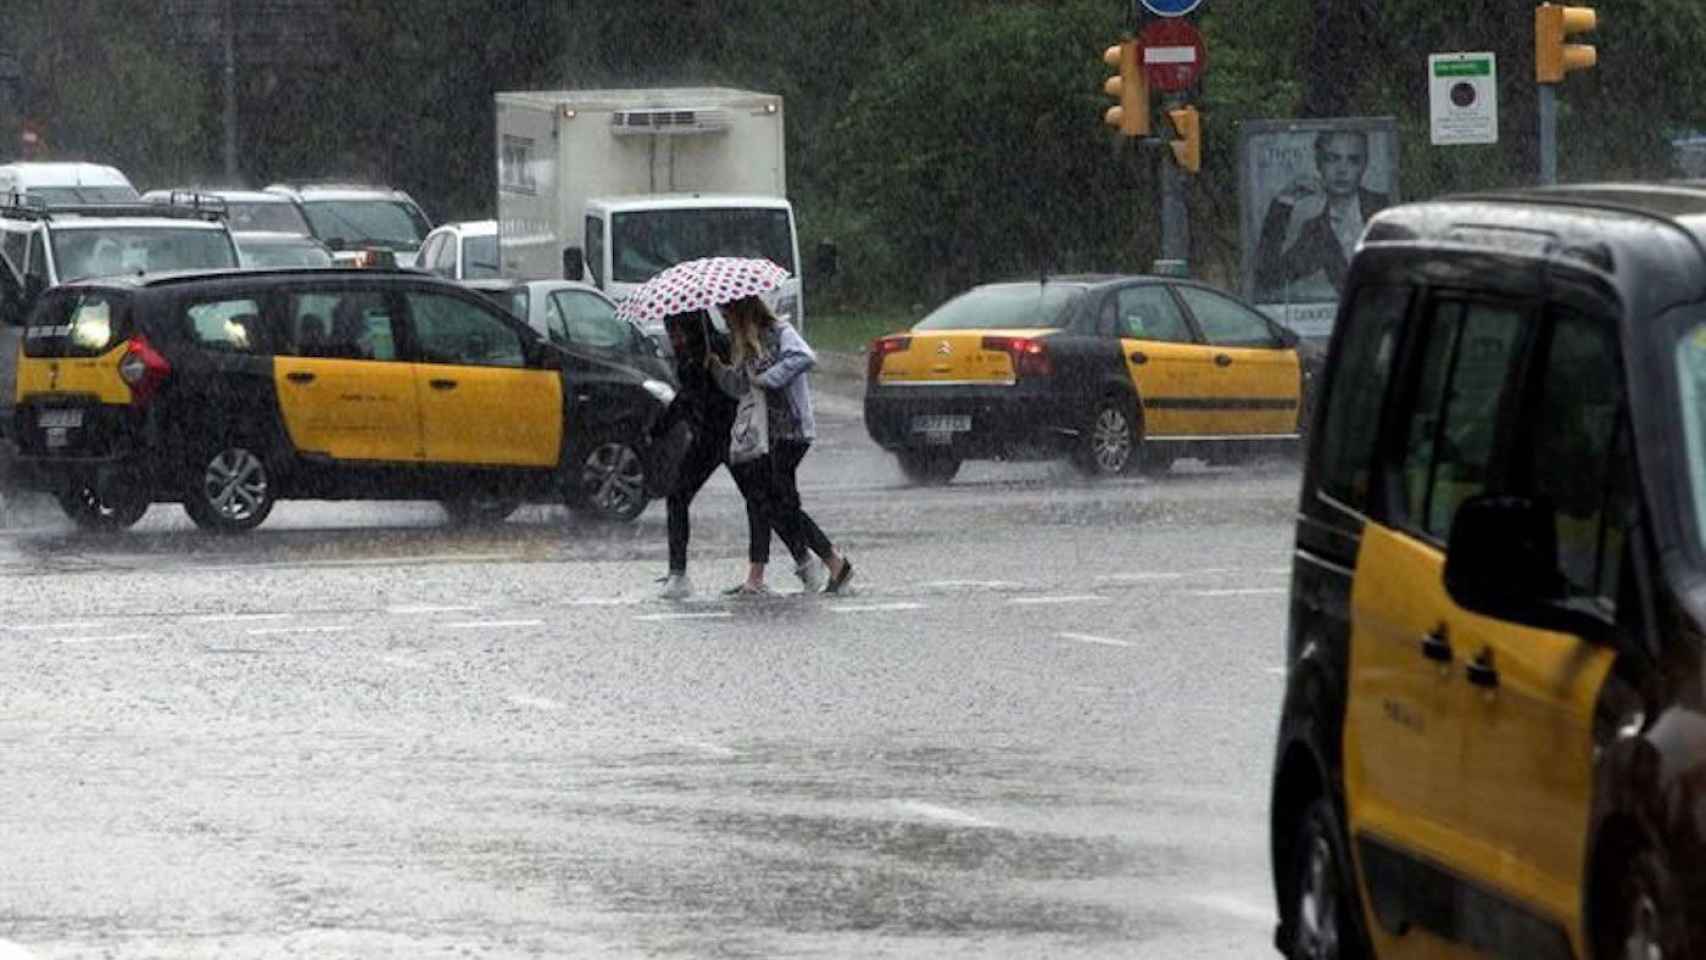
<point x="769" y="354"/>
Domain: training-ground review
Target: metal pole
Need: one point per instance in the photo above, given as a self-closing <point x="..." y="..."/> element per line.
<point x="230" y="25"/>
<point x="1175" y="216"/>
<point x="1548" y="133"/>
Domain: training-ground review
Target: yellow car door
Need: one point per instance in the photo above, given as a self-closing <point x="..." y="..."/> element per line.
<point x="342" y="390"/>
<point x="1170" y="369"/>
<point x="480" y="402"/>
<point x="1257" y="381"/>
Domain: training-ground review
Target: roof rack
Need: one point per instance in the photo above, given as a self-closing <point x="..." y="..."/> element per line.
<point x="211" y="209"/>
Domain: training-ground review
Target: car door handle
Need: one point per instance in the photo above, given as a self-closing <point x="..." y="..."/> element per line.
<point x="443" y="384"/>
<point x="1222" y="360"/>
<point x="299" y="377"/>
<point x="1436" y="645"/>
<point x="1481" y="671"/>
<point x="1138" y="356"/>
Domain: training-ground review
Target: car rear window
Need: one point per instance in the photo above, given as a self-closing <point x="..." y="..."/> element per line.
<point x="1017" y="306"/>
<point x="78" y="323"/>
<point x="108" y="251"/>
<point x="229" y="325"/>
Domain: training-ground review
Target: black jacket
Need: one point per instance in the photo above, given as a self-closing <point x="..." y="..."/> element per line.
<point x="708" y="410"/>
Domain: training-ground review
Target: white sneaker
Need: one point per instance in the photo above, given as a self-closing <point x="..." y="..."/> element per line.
<point x="813" y="575"/>
<point x="676" y="586"/>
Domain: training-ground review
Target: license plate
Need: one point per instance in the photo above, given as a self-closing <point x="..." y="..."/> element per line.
<point x="58" y="437"/>
<point x="59" y="419"/>
<point x="941" y="424"/>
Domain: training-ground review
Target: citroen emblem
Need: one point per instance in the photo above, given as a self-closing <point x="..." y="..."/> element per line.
<point x="944" y="348"/>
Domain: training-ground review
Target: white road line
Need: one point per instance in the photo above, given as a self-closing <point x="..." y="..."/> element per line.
<point x="876" y="607"/>
<point x="542" y="703"/>
<point x="1277" y="671"/>
<point x="932" y="811"/>
<point x="1241" y="592"/>
<point x="1138" y="577"/>
<point x="67" y="625"/>
<point x="602" y="602"/>
<point x="491" y="624"/>
<point x="713" y="749"/>
<point x="970" y="585"/>
<point x="240" y="617"/>
<point x="428" y="608"/>
<point x="102" y="639"/>
<point x="1092" y="638"/>
<point x="1061" y="598"/>
<point x="655" y="617"/>
<point x="14" y="951"/>
<point x="373" y="562"/>
<point x="274" y="631"/>
<point x="1233" y="905"/>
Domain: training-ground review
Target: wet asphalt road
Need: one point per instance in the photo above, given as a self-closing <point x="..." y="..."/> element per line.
<point x="1039" y="727"/>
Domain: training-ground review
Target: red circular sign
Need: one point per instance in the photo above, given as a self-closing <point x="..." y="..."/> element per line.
<point x="1171" y="53"/>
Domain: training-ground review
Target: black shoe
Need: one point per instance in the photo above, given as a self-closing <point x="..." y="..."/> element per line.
<point x="840" y="578"/>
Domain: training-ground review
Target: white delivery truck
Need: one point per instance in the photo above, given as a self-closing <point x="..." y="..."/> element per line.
<point x="612" y="186"/>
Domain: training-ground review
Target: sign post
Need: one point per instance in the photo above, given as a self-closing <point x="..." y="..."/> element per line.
<point x="1172" y="54"/>
<point x="1463" y="98"/>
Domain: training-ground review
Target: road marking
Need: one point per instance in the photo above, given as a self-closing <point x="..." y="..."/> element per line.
<point x="1233" y="905"/>
<point x="601" y="602"/>
<point x="970" y="585"/>
<point x="14" y="951"/>
<point x="274" y="631"/>
<point x="1241" y="592"/>
<point x="428" y="608"/>
<point x="876" y="608"/>
<point x="67" y="625"/>
<point x="491" y="624"/>
<point x="932" y="811"/>
<point x="655" y="617"/>
<point x="715" y="750"/>
<point x="240" y="617"/>
<point x="1059" y="598"/>
<point x="1139" y="577"/>
<point x="105" y="639"/>
<point x="542" y="703"/>
<point x="1092" y="638"/>
<point x="1277" y="671"/>
<point x="400" y="561"/>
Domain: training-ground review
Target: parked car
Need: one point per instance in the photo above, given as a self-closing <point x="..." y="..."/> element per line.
<point x="1491" y="741"/>
<point x="353" y="217"/>
<point x="578" y="316"/>
<point x="1113" y="372"/>
<point x="268" y="248"/>
<point x="42" y="183"/>
<point x="464" y="250"/>
<point x="228" y="391"/>
<point x="245" y="210"/>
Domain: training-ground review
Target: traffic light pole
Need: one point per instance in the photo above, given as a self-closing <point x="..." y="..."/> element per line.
<point x="1175" y="215"/>
<point x="1548" y="134"/>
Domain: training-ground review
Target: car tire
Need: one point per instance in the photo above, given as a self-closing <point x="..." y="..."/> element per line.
<point x="479" y="511"/>
<point x="1112" y="443"/>
<point x="90" y="511"/>
<point x="928" y="468"/>
<point x="1323" y="913"/>
<point x="1645" y="918"/>
<point x="230" y="490"/>
<point x="606" y="480"/>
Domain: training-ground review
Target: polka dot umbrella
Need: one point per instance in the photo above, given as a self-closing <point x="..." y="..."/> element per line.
<point x="698" y="284"/>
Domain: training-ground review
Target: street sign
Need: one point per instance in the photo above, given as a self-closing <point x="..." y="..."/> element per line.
<point x="1172" y="54"/>
<point x="1463" y="98"/>
<point x="1171" y="8"/>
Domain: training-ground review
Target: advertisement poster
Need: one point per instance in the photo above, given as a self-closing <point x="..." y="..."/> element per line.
<point x="1306" y="189"/>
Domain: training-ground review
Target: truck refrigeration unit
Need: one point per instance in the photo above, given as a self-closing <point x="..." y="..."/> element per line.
<point x="612" y="186"/>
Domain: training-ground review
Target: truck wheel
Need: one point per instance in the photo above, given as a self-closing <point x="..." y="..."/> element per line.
<point x="927" y="468"/>
<point x="90" y="511"/>
<point x="230" y="490"/>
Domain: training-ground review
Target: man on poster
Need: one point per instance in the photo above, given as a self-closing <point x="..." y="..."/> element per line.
<point x="1312" y="227"/>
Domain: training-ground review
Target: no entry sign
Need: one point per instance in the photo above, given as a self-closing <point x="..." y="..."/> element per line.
<point x="1171" y="8"/>
<point x="1172" y="55"/>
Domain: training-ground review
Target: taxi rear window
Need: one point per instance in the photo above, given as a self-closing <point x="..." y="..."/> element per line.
<point x="85" y="323"/>
<point x="1017" y="306"/>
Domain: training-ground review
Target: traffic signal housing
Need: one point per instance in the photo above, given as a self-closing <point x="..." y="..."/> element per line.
<point x="1129" y="87"/>
<point x="1553" y="24"/>
<point x="1187" y="147"/>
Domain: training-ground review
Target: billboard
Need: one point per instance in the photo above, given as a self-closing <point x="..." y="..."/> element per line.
<point x="1306" y="188"/>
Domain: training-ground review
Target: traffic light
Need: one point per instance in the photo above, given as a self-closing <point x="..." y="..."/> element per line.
<point x="1187" y="149"/>
<point x="1129" y="88"/>
<point x="1552" y="56"/>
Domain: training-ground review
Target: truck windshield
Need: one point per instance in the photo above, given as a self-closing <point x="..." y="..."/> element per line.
<point x="108" y="251"/>
<point x="647" y="241"/>
<point x="387" y="224"/>
<point x="54" y="196"/>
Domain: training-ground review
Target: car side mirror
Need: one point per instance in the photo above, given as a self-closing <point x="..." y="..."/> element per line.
<point x="574" y="266"/>
<point x="827" y="260"/>
<point x="1503" y="563"/>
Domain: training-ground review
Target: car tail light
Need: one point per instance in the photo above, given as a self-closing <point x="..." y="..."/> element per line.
<point x="880" y="348"/>
<point x="1030" y="356"/>
<point x="143" y="369"/>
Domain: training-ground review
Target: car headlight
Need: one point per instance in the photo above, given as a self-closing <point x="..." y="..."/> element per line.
<point x="662" y="392"/>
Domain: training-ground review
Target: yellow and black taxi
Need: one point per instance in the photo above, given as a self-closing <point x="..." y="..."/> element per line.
<point x="228" y="391"/>
<point x="1115" y="372"/>
<point x="1493" y="739"/>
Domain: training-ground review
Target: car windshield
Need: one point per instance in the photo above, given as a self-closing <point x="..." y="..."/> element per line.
<point x="389" y="224"/>
<point x="647" y="241"/>
<point x="1008" y="306"/>
<point x="283" y="217"/>
<point x="108" y="251"/>
<point x="1691" y="388"/>
<point x="283" y="253"/>
<point x="480" y="258"/>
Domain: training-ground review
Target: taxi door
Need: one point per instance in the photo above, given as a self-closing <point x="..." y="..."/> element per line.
<point x="1161" y="354"/>
<point x="1405" y="722"/>
<point x="342" y="390"/>
<point x="480" y="402"/>
<point x="1256" y="381"/>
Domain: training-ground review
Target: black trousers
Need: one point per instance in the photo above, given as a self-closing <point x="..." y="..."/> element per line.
<point x="702" y="460"/>
<point x="781" y="499"/>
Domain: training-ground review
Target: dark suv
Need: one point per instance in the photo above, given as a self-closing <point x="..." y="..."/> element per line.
<point x="229" y="391"/>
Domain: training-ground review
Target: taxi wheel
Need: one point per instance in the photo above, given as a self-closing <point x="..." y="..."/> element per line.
<point x="926" y="468"/>
<point x="90" y="511"/>
<point x="1111" y="445"/>
<point x="608" y="481"/>
<point x="476" y="510"/>
<point x="1323" y="908"/>
<point x="230" y="491"/>
<point x="1646" y="923"/>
